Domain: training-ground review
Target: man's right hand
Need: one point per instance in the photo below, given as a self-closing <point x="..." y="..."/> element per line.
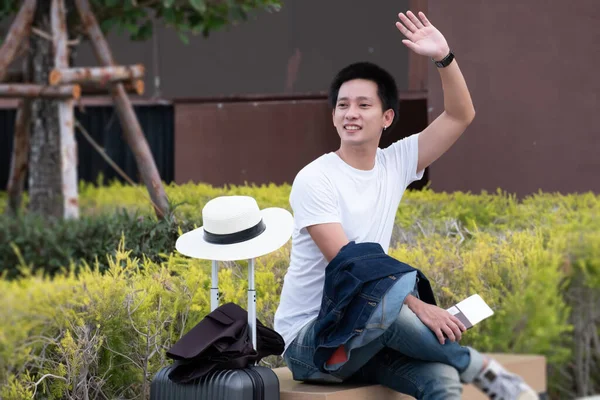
<point x="437" y="319"/>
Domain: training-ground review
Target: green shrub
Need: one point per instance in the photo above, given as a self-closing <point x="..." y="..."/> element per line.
<point x="580" y="376"/>
<point x="535" y="260"/>
<point x="519" y="276"/>
<point x="108" y="212"/>
<point x="116" y="326"/>
<point x="107" y="333"/>
<point x="188" y="198"/>
<point x="50" y="245"/>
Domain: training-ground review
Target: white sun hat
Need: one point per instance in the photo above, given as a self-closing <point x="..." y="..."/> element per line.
<point x="236" y="229"/>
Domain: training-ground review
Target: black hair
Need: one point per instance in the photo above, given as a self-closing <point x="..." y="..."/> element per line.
<point x="386" y="85"/>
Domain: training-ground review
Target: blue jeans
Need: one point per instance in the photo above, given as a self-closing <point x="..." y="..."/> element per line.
<point x="407" y="358"/>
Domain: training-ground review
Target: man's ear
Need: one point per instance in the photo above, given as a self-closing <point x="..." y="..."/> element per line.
<point x="388" y="117"/>
<point x="333" y="117"/>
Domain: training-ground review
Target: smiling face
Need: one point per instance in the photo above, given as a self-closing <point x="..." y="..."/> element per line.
<point x="358" y="115"/>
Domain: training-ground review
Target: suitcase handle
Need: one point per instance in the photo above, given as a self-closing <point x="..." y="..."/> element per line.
<point x="214" y="296"/>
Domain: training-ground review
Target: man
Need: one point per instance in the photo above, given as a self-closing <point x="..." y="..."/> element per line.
<point x="351" y="195"/>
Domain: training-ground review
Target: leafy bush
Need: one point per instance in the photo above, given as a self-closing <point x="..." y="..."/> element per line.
<point x="535" y="260"/>
<point x="188" y="199"/>
<point x="107" y="333"/>
<point x="108" y="212"/>
<point x="50" y="245"/>
<point x="520" y="277"/>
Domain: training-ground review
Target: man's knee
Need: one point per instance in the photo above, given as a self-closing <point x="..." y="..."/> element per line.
<point x="443" y="383"/>
<point x="406" y="323"/>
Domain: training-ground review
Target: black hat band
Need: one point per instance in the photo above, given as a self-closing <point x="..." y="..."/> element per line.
<point x="236" y="237"/>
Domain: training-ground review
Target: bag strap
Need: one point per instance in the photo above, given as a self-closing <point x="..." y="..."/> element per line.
<point x="214" y="296"/>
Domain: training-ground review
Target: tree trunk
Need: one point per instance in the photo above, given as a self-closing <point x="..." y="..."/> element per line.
<point x="45" y="183"/>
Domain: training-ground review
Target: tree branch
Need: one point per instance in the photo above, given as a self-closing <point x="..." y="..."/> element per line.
<point x="129" y="314"/>
<point x="110" y="162"/>
<point x="44" y="377"/>
<point x="123" y="355"/>
<point x="41" y="33"/>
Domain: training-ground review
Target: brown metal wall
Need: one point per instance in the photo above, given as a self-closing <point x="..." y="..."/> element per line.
<point x="221" y="143"/>
<point x="263" y="141"/>
<point x="532" y="67"/>
<point x="296" y="50"/>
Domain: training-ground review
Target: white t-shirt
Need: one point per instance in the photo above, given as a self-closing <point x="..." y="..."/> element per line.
<point x="364" y="202"/>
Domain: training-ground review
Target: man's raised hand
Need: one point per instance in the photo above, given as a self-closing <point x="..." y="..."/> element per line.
<point x="422" y="37"/>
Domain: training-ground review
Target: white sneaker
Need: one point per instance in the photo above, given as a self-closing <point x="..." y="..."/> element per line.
<point x="499" y="384"/>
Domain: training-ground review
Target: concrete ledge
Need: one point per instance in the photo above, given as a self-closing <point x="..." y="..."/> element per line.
<point x="531" y="367"/>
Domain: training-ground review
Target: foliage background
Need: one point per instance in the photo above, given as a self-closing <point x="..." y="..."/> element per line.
<point x="94" y="304"/>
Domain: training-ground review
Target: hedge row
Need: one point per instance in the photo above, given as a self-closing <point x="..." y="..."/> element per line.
<point x="103" y="322"/>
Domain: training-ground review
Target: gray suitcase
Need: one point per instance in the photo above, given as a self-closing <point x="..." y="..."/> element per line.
<point x="250" y="383"/>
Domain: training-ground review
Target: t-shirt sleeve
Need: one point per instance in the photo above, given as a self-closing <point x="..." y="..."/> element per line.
<point x="405" y="153"/>
<point x="313" y="200"/>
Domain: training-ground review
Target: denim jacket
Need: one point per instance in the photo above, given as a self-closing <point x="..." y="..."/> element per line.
<point x="356" y="280"/>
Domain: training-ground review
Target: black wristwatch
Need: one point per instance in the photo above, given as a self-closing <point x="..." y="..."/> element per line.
<point x="443" y="63"/>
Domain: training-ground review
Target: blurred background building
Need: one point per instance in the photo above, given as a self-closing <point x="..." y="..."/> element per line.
<point x="248" y="104"/>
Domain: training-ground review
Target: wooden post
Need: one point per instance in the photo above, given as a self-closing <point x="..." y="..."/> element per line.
<point x="96" y="74"/>
<point x="18" y="31"/>
<point x="94" y="89"/>
<point x="20" y="154"/>
<point x="131" y="126"/>
<point x="31" y="90"/>
<point x="20" y="157"/>
<point x="68" y="146"/>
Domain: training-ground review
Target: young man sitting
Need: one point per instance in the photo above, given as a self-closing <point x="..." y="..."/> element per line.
<point x="351" y="196"/>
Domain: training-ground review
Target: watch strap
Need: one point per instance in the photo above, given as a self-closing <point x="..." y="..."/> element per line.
<point x="444" y="62"/>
